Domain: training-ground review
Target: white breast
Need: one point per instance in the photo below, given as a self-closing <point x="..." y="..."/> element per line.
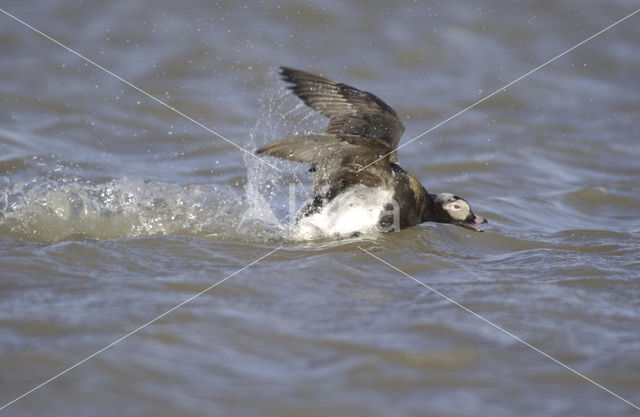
<point x="356" y="210"/>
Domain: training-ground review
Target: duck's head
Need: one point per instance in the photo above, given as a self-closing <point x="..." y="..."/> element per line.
<point x="449" y="208"/>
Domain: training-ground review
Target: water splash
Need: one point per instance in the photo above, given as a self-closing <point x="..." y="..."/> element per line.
<point x="50" y="210"/>
<point x="274" y="197"/>
<point x="56" y="206"/>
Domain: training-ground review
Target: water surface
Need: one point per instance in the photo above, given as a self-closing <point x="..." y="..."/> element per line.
<point x="114" y="209"/>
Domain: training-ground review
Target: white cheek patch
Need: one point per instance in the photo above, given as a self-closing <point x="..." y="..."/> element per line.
<point x="460" y="213"/>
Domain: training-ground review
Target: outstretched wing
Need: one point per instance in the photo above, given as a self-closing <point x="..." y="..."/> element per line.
<point x="350" y="111"/>
<point x="338" y="159"/>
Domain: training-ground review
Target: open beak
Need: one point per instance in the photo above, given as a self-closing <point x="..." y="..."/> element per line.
<point x="472" y="222"/>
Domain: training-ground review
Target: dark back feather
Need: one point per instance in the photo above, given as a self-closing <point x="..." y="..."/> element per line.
<point x="338" y="159"/>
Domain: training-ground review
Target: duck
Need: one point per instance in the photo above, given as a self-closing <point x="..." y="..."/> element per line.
<point x="359" y="186"/>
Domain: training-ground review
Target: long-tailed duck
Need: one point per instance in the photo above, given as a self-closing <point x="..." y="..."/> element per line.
<point x="359" y="186"/>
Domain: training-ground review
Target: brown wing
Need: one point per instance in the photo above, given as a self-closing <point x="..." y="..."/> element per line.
<point x="338" y="159"/>
<point x="350" y="111"/>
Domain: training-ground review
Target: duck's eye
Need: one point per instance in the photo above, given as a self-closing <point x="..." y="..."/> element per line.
<point x="456" y="206"/>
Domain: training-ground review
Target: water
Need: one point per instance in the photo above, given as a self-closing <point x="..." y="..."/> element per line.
<point x="115" y="209"/>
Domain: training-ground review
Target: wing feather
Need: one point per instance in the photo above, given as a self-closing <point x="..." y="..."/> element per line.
<point x="337" y="158"/>
<point x="350" y="111"/>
